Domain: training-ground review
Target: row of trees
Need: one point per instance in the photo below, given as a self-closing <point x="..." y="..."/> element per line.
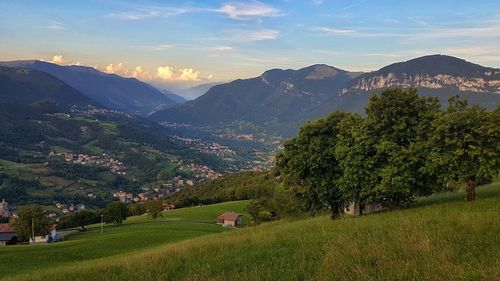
<point x="32" y="219"/>
<point x="237" y="186"/>
<point x="115" y="213"/>
<point x="404" y="147"/>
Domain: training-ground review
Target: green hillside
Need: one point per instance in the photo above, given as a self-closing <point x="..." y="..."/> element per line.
<point x="28" y="174"/>
<point x="136" y="234"/>
<point x="443" y="238"/>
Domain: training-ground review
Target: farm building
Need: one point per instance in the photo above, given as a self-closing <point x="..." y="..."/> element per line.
<point x="168" y="207"/>
<point x="229" y="219"/>
<point x="8" y="235"/>
<point x="354" y="208"/>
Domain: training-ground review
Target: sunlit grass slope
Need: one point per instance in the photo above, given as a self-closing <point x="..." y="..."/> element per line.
<point x="137" y="233"/>
<point x="453" y="240"/>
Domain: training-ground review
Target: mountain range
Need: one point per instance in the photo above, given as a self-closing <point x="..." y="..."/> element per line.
<point x="192" y="93"/>
<point x="281" y="100"/>
<point x="30" y="87"/>
<point x="113" y="91"/>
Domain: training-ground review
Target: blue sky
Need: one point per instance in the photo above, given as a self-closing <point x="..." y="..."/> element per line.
<point x="191" y="42"/>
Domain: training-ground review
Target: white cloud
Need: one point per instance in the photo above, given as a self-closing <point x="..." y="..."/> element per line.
<point x="134" y="15"/>
<point x="162" y="47"/>
<point x="183" y="74"/>
<point x="221" y="48"/>
<point x="254" y="35"/>
<point x="189" y="74"/>
<point x="141" y="12"/>
<point x="115" y="68"/>
<point x="245" y="11"/>
<point x="55" y="25"/>
<point x="417" y="33"/>
<point x="140" y="72"/>
<point x="165" y="72"/>
<point x="58" y="59"/>
<point x="334" y="31"/>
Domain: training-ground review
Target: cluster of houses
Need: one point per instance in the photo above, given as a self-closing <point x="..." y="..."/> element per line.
<point x="104" y="160"/>
<point x="202" y="171"/>
<point x="236" y="136"/>
<point x="67" y="208"/>
<point x="211" y="148"/>
<point x="153" y="194"/>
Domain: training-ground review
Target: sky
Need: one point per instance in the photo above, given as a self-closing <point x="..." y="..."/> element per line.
<point x="183" y="43"/>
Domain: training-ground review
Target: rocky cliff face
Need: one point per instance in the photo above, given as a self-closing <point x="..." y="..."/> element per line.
<point x="466" y="84"/>
<point x="429" y="72"/>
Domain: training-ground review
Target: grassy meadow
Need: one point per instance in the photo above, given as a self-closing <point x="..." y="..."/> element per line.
<point x="136" y="234"/>
<point x="442" y="238"/>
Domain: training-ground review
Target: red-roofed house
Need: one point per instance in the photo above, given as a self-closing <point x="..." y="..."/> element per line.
<point x="229" y="219"/>
<point x="8" y="235"/>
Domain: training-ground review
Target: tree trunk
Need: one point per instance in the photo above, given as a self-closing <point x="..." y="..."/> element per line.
<point x="470" y="189"/>
<point x="361" y="207"/>
<point x="335" y="211"/>
<point x="335" y="215"/>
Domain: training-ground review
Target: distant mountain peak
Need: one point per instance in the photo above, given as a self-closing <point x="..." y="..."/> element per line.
<point x="111" y="90"/>
<point x="321" y="71"/>
<point x="430" y="72"/>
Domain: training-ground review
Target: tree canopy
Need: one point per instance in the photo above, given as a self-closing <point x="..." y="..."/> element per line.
<point x="31" y="217"/>
<point x="115" y="212"/>
<point x="404" y="147"/>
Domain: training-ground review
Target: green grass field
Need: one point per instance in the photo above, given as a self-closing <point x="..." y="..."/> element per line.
<point x="442" y="238"/>
<point x="137" y="233"/>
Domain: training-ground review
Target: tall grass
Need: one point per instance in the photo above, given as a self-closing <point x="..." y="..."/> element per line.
<point x="448" y="241"/>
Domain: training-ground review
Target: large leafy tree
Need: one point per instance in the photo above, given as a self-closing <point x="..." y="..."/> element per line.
<point x="397" y="127"/>
<point x="84" y="217"/>
<point x="466" y="145"/>
<point x="155" y="208"/>
<point x="115" y="212"/>
<point x="310" y="168"/>
<point x="355" y="154"/>
<point x="31" y="217"/>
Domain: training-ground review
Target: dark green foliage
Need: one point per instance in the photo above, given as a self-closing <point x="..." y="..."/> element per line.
<point x="398" y="125"/>
<point x="155" y="208"/>
<point x="31" y="217"/>
<point x="61" y="168"/>
<point x="405" y="147"/>
<point x="466" y="145"/>
<point x="13" y="189"/>
<point x="79" y="219"/>
<point x="116" y="213"/>
<point x="310" y="168"/>
<point x="355" y="154"/>
<point x="238" y="186"/>
<point x="137" y="209"/>
<point x="282" y="204"/>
